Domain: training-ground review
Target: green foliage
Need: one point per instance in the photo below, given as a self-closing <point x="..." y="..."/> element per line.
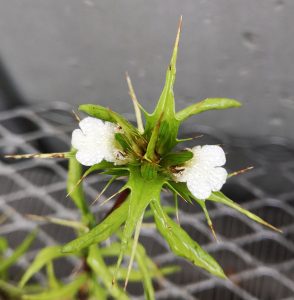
<point x="182" y="244"/>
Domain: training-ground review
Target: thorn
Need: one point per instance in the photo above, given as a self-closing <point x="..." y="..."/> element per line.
<point x="78" y="183"/>
<point x="240" y="171"/>
<point x="77" y="117"/>
<point x="37" y="155"/>
<point x="213" y="232"/>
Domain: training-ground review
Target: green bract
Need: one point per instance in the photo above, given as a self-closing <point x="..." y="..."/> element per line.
<point x="150" y="165"/>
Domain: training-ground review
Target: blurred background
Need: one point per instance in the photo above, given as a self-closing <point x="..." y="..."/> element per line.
<point x="55" y="55"/>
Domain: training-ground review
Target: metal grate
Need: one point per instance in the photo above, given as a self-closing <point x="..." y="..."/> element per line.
<point x="259" y="262"/>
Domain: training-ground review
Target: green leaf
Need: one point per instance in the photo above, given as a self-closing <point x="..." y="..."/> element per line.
<point x="148" y="170"/>
<point x="64" y="292"/>
<point x="176" y="158"/>
<point x="97" y="264"/>
<point x="221" y="198"/>
<point x="76" y="191"/>
<point x="44" y="256"/>
<point x="18" y="252"/>
<point x="10" y="290"/>
<point x="207" y="104"/>
<point x="181" y="189"/>
<point x="146" y="274"/>
<point x="165" y="109"/>
<point x="3" y="244"/>
<point x="182" y="244"/>
<point x="142" y="192"/>
<point x="101" y="232"/>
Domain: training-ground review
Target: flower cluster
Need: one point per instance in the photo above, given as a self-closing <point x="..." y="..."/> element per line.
<point x="95" y="142"/>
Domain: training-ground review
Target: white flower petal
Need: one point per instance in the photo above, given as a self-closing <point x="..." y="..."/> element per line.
<point x="211" y="155"/>
<point x="217" y="178"/>
<point x="88" y="158"/>
<point x="200" y="189"/>
<point x="95" y="141"/>
<point x="91" y="126"/>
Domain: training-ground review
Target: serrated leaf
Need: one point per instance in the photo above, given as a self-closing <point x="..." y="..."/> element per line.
<point x="18" y="252"/>
<point x="182" y="244"/>
<point x="207" y="104"/>
<point x="97" y="264"/>
<point x="64" y="292"/>
<point x="101" y="232"/>
<point x="221" y="198"/>
<point x="176" y="158"/>
<point x="44" y="256"/>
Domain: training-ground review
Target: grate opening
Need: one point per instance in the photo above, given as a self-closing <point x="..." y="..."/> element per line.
<point x="238" y="193"/>
<point x="20" y="125"/>
<point x="217" y="293"/>
<point x="187" y="273"/>
<point x="230" y="227"/>
<point x="49" y="144"/>
<point x="61" y="236"/>
<point x="57" y="117"/>
<point x="272" y="185"/>
<point x="31" y="205"/>
<point x="195" y="234"/>
<point x="41" y="175"/>
<point x="274" y="215"/>
<point x="14" y="238"/>
<point x="8" y="185"/>
<point x="230" y="261"/>
<point x="269" y="251"/>
<point x="266" y="288"/>
<point x="153" y="247"/>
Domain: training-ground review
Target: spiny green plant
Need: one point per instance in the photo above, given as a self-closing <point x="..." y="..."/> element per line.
<point x="110" y="145"/>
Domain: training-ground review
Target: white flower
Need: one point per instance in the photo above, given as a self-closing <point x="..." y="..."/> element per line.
<point x="203" y="173"/>
<point x="95" y="141"/>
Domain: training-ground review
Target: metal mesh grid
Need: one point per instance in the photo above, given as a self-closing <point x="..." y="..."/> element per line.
<point x="259" y="262"/>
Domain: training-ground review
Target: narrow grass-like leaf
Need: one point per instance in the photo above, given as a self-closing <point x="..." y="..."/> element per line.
<point x="221" y="198"/>
<point x="44" y="256"/>
<point x="101" y="232"/>
<point x="182" y="244"/>
<point x="97" y="264"/>
<point x="207" y="104"/>
<point x="18" y="252"/>
<point x="64" y="292"/>
<point x="146" y="274"/>
<point x="141" y="193"/>
<point x="76" y="191"/>
<point x="9" y="290"/>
